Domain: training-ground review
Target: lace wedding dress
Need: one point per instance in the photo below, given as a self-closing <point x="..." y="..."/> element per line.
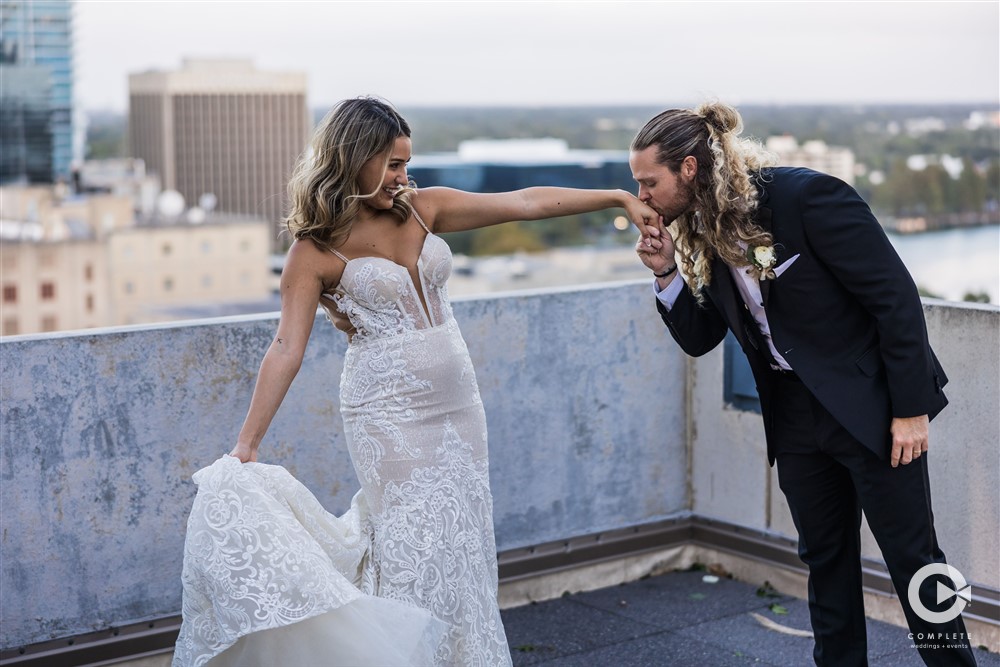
<point x="408" y="576"/>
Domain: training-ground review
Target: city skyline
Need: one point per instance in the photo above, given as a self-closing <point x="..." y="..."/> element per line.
<point x="37" y="79"/>
<point x="560" y="53"/>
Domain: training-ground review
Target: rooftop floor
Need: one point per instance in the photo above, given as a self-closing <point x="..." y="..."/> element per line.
<point x="678" y="619"/>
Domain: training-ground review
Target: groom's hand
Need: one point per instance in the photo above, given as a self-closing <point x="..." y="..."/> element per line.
<point x="909" y="439"/>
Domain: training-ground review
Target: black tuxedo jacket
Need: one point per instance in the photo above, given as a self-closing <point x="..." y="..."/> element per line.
<point x="845" y="313"/>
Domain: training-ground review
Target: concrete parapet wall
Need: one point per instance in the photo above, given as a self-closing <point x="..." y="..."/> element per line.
<point x="101" y="431"/>
<point x="597" y="421"/>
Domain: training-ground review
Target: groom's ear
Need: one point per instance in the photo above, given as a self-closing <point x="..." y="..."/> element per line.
<point x="689" y="168"/>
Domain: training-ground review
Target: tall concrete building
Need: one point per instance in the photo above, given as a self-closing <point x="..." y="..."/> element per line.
<point x="221" y="127"/>
<point x="36" y="91"/>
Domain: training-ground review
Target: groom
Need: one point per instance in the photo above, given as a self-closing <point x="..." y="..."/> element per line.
<point x="794" y="264"/>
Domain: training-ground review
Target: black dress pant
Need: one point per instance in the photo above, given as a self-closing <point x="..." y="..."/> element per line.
<point x="828" y="479"/>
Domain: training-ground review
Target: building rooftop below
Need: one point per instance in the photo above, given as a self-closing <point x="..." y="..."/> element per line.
<point x="518" y="152"/>
<point x="680" y="620"/>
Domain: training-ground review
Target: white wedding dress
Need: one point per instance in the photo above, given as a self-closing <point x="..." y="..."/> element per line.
<point x="408" y="576"/>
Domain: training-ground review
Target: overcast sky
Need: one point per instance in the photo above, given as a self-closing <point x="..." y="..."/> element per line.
<point x="561" y="53"/>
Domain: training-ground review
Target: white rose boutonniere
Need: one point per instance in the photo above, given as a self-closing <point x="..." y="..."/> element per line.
<point x="762" y="259"/>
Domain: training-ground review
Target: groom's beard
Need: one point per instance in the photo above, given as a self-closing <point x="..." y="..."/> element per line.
<point x="682" y="203"/>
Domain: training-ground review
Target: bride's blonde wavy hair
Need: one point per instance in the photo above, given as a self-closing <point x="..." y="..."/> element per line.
<point x="725" y="196"/>
<point x="324" y="193"/>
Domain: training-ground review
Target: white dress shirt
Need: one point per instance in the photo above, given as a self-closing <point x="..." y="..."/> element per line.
<point x="749" y="289"/>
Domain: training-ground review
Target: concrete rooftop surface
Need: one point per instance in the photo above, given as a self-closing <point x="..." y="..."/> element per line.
<point x="680" y="620"/>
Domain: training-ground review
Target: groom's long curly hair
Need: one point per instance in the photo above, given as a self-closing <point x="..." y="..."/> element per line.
<point x="725" y="197"/>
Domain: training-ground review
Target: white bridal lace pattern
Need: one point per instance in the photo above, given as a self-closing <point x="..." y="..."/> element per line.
<point x="418" y="539"/>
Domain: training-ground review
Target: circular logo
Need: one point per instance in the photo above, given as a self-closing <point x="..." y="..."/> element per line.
<point x="962" y="593"/>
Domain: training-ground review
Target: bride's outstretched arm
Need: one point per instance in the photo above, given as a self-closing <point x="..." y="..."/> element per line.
<point x="455" y="210"/>
<point x="301" y="286"/>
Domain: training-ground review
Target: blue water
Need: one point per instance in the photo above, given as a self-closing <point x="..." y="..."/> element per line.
<point x="955" y="261"/>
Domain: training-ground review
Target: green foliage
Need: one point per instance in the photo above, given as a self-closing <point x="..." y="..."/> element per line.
<point x="505" y="239"/>
<point x="992" y="181"/>
<point x="876" y="133"/>
<point x="535" y="235"/>
<point x="105" y="136"/>
<point x="767" y="591"/>
<point x="865" y="129"/>
<point x="970" y="189"/>
<point x="976" y="297"/>
<point x="932" y="191"/>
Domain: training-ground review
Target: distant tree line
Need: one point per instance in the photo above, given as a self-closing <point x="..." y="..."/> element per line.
<point x="536" y="235"/>
<point x="105" y="136"/>
<point x="876" y="133"/>
<point x="933" y="192"/>
<point x="863" y="129"/>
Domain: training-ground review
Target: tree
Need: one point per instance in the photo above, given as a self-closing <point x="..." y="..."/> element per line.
<point x="971" y="189"/>
<point x="976" y="297"/>
<point x="505" y="239"/>
<point x="992" y="183"/>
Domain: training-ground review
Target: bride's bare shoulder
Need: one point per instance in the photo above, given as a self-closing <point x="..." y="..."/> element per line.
<point x="305" y="251"/>
<point x="427" y="202"/>
<point x="307" y="258"/>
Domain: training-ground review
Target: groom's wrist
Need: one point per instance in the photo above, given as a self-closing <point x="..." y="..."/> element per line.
<point x="666" y="273"/>
<point x="664" y="279"/>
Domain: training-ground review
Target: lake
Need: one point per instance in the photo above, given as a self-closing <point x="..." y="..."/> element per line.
<point x="952" y="262"/>
<point x="947" y="263"/>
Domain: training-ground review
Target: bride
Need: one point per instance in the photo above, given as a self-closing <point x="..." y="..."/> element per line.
<point x="408" y="576"/>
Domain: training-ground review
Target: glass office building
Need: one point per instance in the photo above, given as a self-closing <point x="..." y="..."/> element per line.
<point x="36" y="90"/>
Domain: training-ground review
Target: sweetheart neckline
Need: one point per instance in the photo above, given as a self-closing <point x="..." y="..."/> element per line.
<point x="420" y="255"/>
<point x="418" y="290"/>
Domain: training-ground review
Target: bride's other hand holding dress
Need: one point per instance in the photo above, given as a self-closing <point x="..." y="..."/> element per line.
<point x="244" y="453"/>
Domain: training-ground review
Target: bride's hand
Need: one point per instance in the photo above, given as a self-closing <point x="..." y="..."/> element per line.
<point x="645" y="219"/>
<point x="656" y="252"/>
<point x="340" y="320"/>
<point x="244" y="453"/>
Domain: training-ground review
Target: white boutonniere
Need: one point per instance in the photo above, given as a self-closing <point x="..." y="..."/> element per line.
<point x="762" y="259"/>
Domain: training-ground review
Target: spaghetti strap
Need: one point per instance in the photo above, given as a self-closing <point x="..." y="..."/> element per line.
<point x="342" y="258"/>
<point x="417" y="216"/>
